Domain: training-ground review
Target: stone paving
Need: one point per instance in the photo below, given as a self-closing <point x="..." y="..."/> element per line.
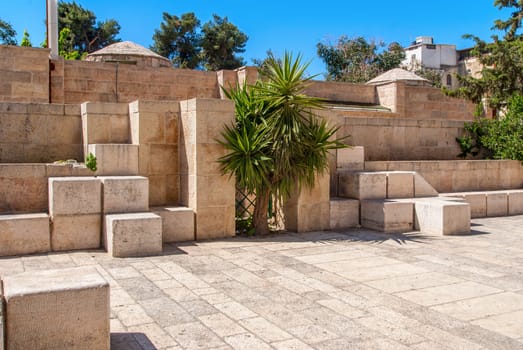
<point x="353" y="289"/>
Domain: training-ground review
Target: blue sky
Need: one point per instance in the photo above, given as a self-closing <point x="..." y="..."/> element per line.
<point x="295" y="26"/>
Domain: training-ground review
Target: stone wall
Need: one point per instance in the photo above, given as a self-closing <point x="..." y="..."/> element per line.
<point x="24" y="74"/>
<point x="39" y="133"/>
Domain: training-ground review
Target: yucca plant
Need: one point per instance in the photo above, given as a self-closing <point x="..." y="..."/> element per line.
<point x="277" y="142"/>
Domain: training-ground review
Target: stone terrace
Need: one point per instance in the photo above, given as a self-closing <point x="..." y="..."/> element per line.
<point x="323" y="290"/>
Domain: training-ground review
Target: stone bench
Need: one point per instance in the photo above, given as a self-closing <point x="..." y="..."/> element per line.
<point x="492" y="203"/>
<point x="177" y="223"/>
<point x="22" y="234"/>
<point x="439" y="216"/>
<point x="344" y="213"/>
<point x="56" y="309"/>
<point x="387" y="216"/>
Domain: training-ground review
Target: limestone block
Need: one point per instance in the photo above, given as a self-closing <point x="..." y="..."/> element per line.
<point x="104" y="108"/>
<point x="215" y="222"/>
<point x="133" y="234"/>
<point x="24" y="234"/>
<point x="57" y="309"/>
<point x="352" y="158"/>
<point x="387" y="216"/>
<point x="497" y="203"/>
<point x="115" y="159"/>
<point x="177" y="223"/>
<point x="442" y="217"/>
<point x="70" y="232"/>
<point x="362" y="185"/>
<point x="422" y="188"/>
<point x="344" y="213"/>
<point x="400" y="184"/>
<point x="515" y="202"/>
<point x="75" y="195"/>
<point x="125" y="194"/>
<point x="476" y="200"/>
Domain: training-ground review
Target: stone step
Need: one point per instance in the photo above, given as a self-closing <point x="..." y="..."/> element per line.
<point x="442" y="216"/>
<point x="389" y="216"/>
<point x="133" y="234"/>
<point x="177" y="223"/>
<point x="344" y="213"/>
<point x="352" y="158"/>
<point x="22" y="234"/>
<point x="115" y="159"/>
<point x="492" y="203"/>
<point x="125" y="194"/>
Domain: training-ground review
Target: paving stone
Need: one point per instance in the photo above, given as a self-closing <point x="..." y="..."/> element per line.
<point x="246" y="341"/>
<point x="264" y="329"/>
<point x="508" y="324"/>
<point x="194" y="335"/>
<point x="221" y="324"/>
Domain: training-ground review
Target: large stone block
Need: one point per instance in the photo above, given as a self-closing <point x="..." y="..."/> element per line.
<point x="422" y="188"/>
<point x="24" y="234"/>
<point x="400" y="184"/>
<point x="362" y="185"/>
<point x="70" y="232"/>
<point x="115" y="159"/>
<point x="57" y="309"/>
<point x="75" y="195"/>
<point x="344" y="213"/>
<point x="387" y="216"/>
<point x="177" y="223"/>
<point x="442" y="217"/>
<point x="215" y="222"/>
<point x="134" y="234"/>
<point x="515" y="202"/>
<point x="125" y="194"/>
<point x="476" y="200"/>
<point x="352" y="158"/>
<point x="497" y="203"/>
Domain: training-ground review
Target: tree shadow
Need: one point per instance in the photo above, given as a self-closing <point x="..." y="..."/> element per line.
<point x="131" y="341"/>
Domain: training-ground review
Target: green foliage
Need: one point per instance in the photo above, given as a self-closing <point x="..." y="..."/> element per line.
<point x="66" y="45"/>
<point x="496" y="138"/>
<point x="7" y="33"/>
<point x="26" y="41"/>
<point x="433" y="76"/>
<point x="358" y="60"/>
<point x="90" y="162"/>
<point x="86" y="34"/>
<point x="277" y="142"/>
<point x="178" y="40"/>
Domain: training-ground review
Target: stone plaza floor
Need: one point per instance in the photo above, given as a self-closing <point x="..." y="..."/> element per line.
<point x="354" y="289"/>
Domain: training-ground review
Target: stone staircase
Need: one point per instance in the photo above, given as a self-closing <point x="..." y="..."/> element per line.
<point x="123" y="206"/>
<point x="403" y="201"/>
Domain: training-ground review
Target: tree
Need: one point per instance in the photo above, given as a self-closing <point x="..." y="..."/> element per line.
<point x="277" y="142"/>
<point x="221" y="41"/>
<point x="26" y="41"/>
<point x="358" y="60"/>
<point x="86" y="34"/>
<point x="178" y="40"/>
<point x="7" y="33"/>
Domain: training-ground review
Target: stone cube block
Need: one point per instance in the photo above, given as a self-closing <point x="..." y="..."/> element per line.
<point x="22" y="234"/>
<point x="71" y="232"/>
<point x="497" y="203"/>
<point x="400" y="184"/>
<point x="476" y="200"/>
<point x="115" y="159"/>
<point x="387" y="216"/>
<point x="352" y="158"/>
<point x="133" y="234"/>
<point x="125" y="194"/>
<point x="57" y="309"/>
<point x="442" y="217"/>
<point x="362" y="185"/>
<point x="422" y="188"/>
<point x="515" y="202"/>
<point x="177" y="223"/>
<point x="344" y="213"/>
<point x="75" y="195"/>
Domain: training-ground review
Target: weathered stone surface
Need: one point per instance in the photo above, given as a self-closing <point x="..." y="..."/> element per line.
<point x="442" y="217"/>
<point x="352" y="158"/>
<point x="387" y="215"/>
<point x="344" y="213"/>
<point x="400" y="184"/>
<point x="362" y="185"/>
<point x="70" y="232"/>
<point x="75" y="195"/>
<point x="125" y="194"/>
<point x="24" y="234"/>
<point x="476" y="200"/>
<point x="177" y="223"/>
<point x="57" y="309"/>
<point x="115" y="159"/>
<point x="515" y="202"/>
<point x="497" y="203"/>
<point x="133" y="234"/>
<point x="422" y="188"/>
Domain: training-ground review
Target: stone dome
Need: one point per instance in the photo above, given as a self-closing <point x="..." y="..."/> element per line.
<point x="129" y="53"/>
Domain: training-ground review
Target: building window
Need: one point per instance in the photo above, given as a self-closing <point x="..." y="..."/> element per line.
<point x="431" y="47"/>
<point x="449" y="80"/>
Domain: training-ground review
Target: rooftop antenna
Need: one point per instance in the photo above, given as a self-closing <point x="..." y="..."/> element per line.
<point x="52" y="27"/>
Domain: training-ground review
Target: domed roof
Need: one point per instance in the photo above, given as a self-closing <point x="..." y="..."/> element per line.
<point x="397" y="74"/>
<point x="127" y="51"/>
